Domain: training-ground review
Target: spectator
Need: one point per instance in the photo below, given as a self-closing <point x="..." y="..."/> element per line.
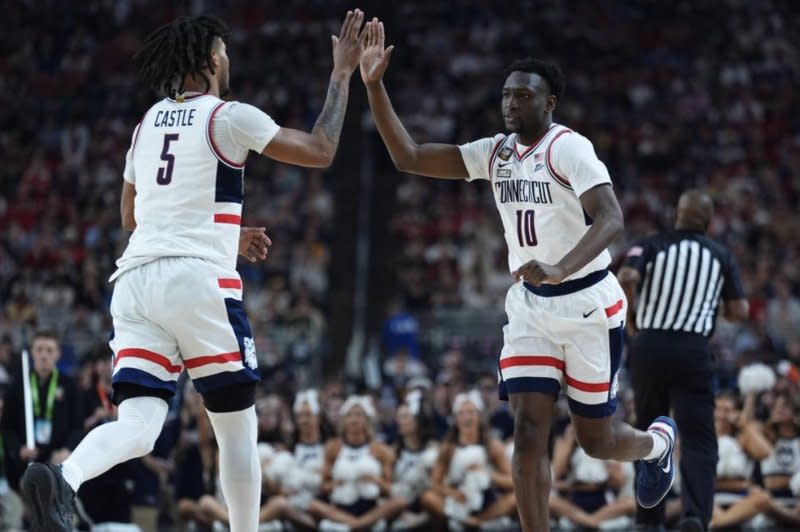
<point x="57" y="408"/>
<point x="400" y="331"/>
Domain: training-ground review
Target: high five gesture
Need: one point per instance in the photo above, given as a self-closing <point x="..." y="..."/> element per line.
<point x="348" y="45"/>
<point x="374" y="58"/>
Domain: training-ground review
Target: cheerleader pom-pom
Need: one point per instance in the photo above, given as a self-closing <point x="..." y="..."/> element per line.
<point x="756" y="378"/>
<point x="794" y="484"/>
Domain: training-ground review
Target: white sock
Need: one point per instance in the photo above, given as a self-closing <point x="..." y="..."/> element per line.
<point x="660" y="442"/>
<point x="239" y="468"/>
<point x="139" y="423"/>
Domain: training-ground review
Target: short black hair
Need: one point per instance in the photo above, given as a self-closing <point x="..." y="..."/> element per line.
<point x="45" y="334"/>
<point x="179" y="49"/>
<point x="549" y="71"/>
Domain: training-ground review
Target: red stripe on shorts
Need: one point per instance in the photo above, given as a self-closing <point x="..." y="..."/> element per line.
<point x="532" y="360"/>
<point x="613" y="309"/>
<point x="228" y="219"/>
<point x="587" y="386"/>
<point x="230" y="283"/>
<point x="161" y="360"/>
<point x="196" y="362"/>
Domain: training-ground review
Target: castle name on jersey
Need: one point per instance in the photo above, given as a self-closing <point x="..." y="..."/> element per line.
<point x="523" y="190"/>
<point x="174" y="118"/>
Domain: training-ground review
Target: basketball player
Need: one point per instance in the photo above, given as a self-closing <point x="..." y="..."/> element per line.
<point x="565" y="315"/>
<point x="178" y="299"/>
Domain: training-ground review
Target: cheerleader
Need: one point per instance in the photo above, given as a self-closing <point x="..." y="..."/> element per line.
<point x="471" y="479"/>
<point x="781" y="468"/>
<point x="356" y="473"/>
<point x="740" y="442"/>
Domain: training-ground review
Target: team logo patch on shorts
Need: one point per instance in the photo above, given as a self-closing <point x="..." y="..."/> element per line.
<point x="612" y="394"/>
<point x="250" y="353"/>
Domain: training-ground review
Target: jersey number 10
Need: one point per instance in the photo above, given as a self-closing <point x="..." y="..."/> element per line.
<point x="164" y="176"/>
<point x="526" y="232"/>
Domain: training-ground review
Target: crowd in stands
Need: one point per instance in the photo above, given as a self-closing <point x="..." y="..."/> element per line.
<point x="706" y="102"/>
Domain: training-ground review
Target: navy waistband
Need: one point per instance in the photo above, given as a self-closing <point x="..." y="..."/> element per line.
<point x="567" y="287"/>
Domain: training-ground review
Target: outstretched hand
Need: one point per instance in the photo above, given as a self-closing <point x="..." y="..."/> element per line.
<point x="348" y="45"/>
<point x="374" y="57"/>
<point x="254" y="243"/>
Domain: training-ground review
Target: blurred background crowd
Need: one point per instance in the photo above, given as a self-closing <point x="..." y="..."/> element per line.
<point x="673" y="96"/>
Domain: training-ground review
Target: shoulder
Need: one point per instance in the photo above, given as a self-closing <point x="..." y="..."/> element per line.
<point x="566" y="140"/>
<point x="714" y="246"/>
<point x="446" y="450"/>
<point x="486" y="143"/>
<point x="381" y="451"/>
<point x="495" y="447"/>
<point x="333" y="447"/>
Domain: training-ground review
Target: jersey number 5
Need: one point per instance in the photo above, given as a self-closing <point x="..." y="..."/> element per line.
<point x="526" y="231"/>
<point x="164" y="176"/>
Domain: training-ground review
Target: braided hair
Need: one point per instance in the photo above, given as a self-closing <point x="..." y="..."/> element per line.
<point x="179" y="49"/>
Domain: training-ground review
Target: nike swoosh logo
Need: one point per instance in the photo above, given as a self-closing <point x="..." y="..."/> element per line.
<point x="503" y="165"/>
<point x="669" y="464"/>
<point x="587" y="314"/>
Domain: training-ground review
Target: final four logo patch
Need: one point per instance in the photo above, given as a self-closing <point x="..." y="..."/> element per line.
<point x="505" y="154"/>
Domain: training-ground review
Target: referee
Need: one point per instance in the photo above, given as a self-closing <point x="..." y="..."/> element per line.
<point x="681" y="278"/>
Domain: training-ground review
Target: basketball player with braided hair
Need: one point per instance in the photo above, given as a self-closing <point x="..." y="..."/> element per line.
<point x="177" y="300"/>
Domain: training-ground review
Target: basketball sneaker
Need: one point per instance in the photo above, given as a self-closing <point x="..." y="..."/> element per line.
<point x="654" y="477"/>
<point x="48" y="497"/>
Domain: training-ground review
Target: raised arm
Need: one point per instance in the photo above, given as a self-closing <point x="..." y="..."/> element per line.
<point x="318" y="148"/>
<point x="431" y="159"/>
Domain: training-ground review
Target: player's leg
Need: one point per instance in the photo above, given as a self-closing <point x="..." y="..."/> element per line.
<point x="145" y="376"/>
<point x="593" y="353"/>
<point x="231" y="410"/>
<point x="530" y="375"/>
<point x="533" y="418"/>
<point x="217" y="348"/>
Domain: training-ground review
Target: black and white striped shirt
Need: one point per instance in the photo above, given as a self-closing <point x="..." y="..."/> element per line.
<point x="684" y="275"/>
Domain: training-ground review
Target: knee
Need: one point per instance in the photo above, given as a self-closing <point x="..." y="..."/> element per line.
<point x="761" y="499"/>
<point x="595" y="445"/>
<point x="187" y="508"/>
<point x="146" y="435"/>
<point x="429" y="501"/>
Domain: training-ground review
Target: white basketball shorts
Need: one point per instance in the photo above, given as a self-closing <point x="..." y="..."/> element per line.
<point x="181" y="312"/>
<point x="567" y="335"/>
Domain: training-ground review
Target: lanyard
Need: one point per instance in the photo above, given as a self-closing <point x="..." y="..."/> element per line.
<point x="51" y="395"/>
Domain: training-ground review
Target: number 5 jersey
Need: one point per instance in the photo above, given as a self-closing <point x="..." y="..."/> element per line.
<point x="187" y="161"/>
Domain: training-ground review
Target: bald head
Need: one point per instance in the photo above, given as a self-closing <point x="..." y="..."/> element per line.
<point x="695" y="210"/>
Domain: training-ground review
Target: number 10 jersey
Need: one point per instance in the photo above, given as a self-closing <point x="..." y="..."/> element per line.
<point x="537" y="191"/>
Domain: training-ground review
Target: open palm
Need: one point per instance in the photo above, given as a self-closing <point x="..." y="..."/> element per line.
<point x="374" y="58"/>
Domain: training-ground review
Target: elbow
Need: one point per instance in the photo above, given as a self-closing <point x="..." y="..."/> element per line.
<point x="128" y="223"/>
<point x="404" y="164"/>
<point x="326" y="158"/>
<point x="738" y="311"/>
<point x="325" y="155"/>
<point x="614" y="224"/>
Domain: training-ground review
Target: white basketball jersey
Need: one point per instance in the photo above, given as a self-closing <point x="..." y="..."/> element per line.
<point x="537" y="192"/>
<point x="188" y="195"/>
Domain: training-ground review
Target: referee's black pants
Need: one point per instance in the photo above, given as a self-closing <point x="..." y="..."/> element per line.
<point x="673" y="370"/>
